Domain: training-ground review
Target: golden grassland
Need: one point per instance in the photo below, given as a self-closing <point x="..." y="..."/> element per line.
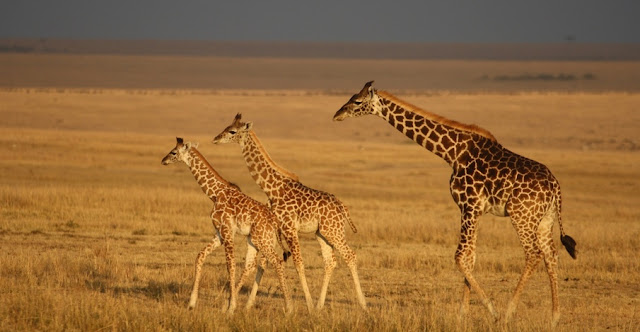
<point x="97" y="235"/>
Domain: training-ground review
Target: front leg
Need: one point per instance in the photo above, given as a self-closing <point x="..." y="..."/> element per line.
<point x="227" y="234"/>
<point x="290" y="234"/>
<point x="256" y="283"/>
<point x="465" y="258"/>
<point x="202" y="255"/>
<point x="249" y="265"/>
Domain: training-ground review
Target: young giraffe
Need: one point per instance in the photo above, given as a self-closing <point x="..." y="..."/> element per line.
<point x="299" y="209"/>
<point x="232" y="211"/>
<point x="487" y="178"/>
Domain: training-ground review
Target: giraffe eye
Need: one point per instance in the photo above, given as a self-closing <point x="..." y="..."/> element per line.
<point x="357" y="102"/>
<point x="232" y="132"/>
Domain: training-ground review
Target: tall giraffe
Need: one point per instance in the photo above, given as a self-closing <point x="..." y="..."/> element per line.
<point x="299" y="209"/>
<point x="487" y="178"/>
<point x="232" y="212"/>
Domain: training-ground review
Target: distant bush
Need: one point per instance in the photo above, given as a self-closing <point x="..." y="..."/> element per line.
<point x="16" y="49"/>
<point x="539" y="77"/>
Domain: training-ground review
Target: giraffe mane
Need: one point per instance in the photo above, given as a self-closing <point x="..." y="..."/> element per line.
<point x="438" y="118"/>
<point x="213" y="170"/>
<point x="270" y="161"/>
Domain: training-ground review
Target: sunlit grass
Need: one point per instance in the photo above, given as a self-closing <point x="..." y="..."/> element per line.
<point x="97" y="235"/>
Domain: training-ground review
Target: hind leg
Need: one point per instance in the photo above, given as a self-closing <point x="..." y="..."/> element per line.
<point x="337" y="241"/>
<point x="550" y="254"/>
<point x="202" y="255"/>
<point x="329" y="265"/>
<point x="278" y="263"/>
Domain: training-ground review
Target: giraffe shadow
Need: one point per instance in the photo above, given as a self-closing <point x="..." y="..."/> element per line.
<point x="155" y="290"/>
<point x="245" y="291"/>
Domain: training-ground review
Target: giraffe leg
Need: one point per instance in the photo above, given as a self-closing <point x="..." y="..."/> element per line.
<point x="349" y="256"/>
<point x="278" y="263"/>
<point x="249" y="267"/>
<point x="466" y="296"/>
<point x="291" y="236"/>
<point x="227" y="241"/>
<point x="532" y="258"/>
<point x="465" y="259"/>
<point x="329" y="265"/>
<point x="256" y="283"/>
<point x="352" y="262"/>
<point x="202" y="255"/>
<point x="550" y="254"/>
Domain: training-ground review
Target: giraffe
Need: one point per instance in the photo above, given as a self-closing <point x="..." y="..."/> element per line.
<point x="232" y="212"/>
<point x="299" y="209"/>
<point x="486" y="178"/>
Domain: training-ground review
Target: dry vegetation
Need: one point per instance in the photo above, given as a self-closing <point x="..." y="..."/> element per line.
<point x="96" y="234"/>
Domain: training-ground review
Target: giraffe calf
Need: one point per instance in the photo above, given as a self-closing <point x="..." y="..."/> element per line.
<point x="232" y="212"/>
<point x="300" y="209"/>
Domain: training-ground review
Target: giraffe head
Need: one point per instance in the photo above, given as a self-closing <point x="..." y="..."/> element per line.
<point x="362" y="103"/>
<point x="179" y="153"/>
<point x="235" y="132"/>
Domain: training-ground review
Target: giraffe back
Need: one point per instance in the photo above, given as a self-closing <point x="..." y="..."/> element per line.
<point x="491" y="175"/>
<point x="311" y="207"/>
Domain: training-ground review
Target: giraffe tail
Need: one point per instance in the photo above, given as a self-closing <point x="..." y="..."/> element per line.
<point x="567" y="241"/>
<point x="345" y="213"/>
<point x="570" y="244"/>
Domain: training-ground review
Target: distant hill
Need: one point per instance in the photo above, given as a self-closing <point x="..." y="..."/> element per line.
<point x="545" y="51"/>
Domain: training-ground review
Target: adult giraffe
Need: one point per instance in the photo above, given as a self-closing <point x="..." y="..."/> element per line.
<point x="487" y="178"/>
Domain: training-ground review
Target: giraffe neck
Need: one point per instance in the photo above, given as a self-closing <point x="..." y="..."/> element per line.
<point x="211" y="183"/>
<point x="447" y="139"/>
<point x="267" y="174"/>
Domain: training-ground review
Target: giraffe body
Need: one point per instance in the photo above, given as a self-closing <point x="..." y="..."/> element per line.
<point x="232" y="212"/>
<point x="486" y="178"/>
<point x="299" y="209"/>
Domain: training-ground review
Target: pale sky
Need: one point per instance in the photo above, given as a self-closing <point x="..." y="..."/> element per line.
<point x="500" y="21"/>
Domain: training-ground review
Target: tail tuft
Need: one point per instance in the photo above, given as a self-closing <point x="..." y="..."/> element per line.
<point x="570" y="244"/>
<point x="286" y="254"/>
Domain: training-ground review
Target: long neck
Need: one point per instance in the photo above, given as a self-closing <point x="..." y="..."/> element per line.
<point x="209" y="180"/>
<point x="447" y="139"/>
<point x="267" y="174"/>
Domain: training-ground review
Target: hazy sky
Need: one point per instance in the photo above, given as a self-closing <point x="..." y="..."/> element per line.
<point x="327" y="20"/>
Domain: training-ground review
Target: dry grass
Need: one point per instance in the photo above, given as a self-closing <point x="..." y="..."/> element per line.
<point x="96" y="235"/>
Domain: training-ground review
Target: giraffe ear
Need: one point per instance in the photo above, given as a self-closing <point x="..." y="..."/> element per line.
<point x="367" y="90"/>
<point x="187" y="145"/>
<point x="368" y="85"/>
<point x="370" y="88"/>
<point x="195" y="144"/>
<point x="248" y="125"/>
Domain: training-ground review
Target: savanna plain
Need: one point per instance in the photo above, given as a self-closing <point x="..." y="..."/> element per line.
<point x="97" y="235"/>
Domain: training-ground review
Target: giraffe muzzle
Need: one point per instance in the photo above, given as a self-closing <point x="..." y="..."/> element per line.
<point x="340" y="115"/>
